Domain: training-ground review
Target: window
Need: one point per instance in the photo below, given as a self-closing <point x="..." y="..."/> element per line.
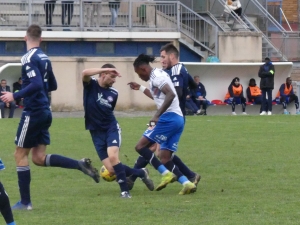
<point x="15" y="47"/>
<point x="149" y="51"/>
<point x="105" y="48"/>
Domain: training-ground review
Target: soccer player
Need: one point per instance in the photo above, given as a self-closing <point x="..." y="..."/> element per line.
<point x="4" y="203"/>
<point x="166" y="125"/>
<point x="182" y="80"/>
<point x="99" y="100"/>
<point x="33" y="131"/>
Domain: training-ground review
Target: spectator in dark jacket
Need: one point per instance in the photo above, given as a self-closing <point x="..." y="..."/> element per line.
<point x="17" y="86"/>
<point x="190" y="104"/>
<point x="199" y="94"/>
<point x="266" y="73"/>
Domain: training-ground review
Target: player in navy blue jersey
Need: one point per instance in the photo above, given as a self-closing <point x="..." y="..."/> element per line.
<point x="33" y="131"/>
<point x="182" y="80"/>
<point x="99" y="101"/>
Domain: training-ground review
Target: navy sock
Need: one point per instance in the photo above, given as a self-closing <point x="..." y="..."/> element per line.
<point x="134" y="172"/>
<point x="61" y="161"/>
<point x="284" y="105"/>
<point x="121" y="176"/>
<point x="141" y="162"/>
<point x="24" y="183"/>
<point x="150" y="157"/>
<point x="5" y="206"/>
<point x="182" y="167"/>
<point x="233" y="106"/>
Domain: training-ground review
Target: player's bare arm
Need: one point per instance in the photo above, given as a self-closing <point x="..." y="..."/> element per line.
<point x="87" y="73"/>
<point x="136" y="86"/>
<point x="170" y="95"/>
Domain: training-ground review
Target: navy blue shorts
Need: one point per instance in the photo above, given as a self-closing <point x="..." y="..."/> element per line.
<point x="103" y="139"/>
<point x="34" y="129"/>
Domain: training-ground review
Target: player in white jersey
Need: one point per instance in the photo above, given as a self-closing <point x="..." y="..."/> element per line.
<point x="167" y="123"/>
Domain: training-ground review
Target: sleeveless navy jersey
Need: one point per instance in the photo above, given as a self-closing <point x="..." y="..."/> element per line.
<point x="99" y="104"/>
<point x="37" y="80"/>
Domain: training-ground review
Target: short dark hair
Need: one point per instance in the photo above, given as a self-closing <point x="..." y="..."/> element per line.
<point x="20" y="78"/>
<point x="267" y="58"/>
<point x="170" y="48"/>
<point x="34" y="32"/>
<point x="108" y="65"/>
<point x="143" y="59"/>
<point x="196" y="76"/>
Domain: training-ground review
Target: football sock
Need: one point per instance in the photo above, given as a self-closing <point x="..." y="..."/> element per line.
<point x="134" y="172"/>
<point x="24" y="183"/>
<point x="180" y="177"/>
<point x="121" y="176"/>
<point x="182" y="167"/>
<point x="141" y="162"/>
<point x="61" y="161"/>
<point x="151" y="158"/>
<point x="297" y="106"/>
<point x="243" y="107"/>
<point x="5" y="207"/>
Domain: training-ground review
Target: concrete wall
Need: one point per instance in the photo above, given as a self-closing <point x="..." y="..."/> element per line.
<point x="240" y="47"/>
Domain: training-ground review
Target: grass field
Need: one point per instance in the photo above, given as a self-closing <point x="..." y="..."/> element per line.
<point x="250" y="168"/>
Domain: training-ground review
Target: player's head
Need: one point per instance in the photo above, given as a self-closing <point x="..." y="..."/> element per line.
<point x="197" y="79"/>
<point x="169" y="55"/>
<point x="267" y="60"/>
<point x="34" y="34"/>
<point x="3" y="83"/>
<point x="236" y="81"/>
<point x="108" y="78"/>
<point x="142" y="67"/>
<point x="252" y="82"/>
<point x="289" y="80"/>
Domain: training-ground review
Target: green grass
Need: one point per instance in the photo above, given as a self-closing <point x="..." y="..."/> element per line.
<point x="249" y="166"/>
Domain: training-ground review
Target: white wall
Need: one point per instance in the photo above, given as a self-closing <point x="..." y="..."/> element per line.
<point x="216" y="77"/>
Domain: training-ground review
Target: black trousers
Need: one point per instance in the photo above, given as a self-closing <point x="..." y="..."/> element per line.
<point x="49" y="9"/>
<point x="238" y="11"/>
<point x="67" y="8"/>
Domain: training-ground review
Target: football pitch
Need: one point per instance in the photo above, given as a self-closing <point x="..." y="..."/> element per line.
<point x="250" y="168"/>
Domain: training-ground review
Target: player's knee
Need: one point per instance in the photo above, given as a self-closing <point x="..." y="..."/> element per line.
<point x="114" y="159"/>
<point x="138" y="147"/>
<point x="38" y="159"/>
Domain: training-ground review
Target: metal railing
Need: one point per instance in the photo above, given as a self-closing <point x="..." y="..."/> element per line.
<point x="92" y="15"/>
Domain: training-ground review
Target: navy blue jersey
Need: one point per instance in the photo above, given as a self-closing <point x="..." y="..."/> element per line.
<point x="37" y="80"/>
<point x="99" y="104"/>
<point x="181" y="78"/>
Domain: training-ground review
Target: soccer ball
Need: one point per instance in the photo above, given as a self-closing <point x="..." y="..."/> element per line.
<point x="106" y="175"/>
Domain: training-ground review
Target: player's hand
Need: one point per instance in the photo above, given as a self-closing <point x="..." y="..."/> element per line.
<point x="7" y="96"/>
<point x="200" y="98"/>
<point x="134" y="85"/>
<point x="187" y="97"/>
<point x="153" y="121"/>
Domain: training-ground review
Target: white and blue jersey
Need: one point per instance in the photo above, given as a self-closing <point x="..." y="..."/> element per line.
<point x="99" y="104"/>
<point x="38" y="80"/>
<point x="169" y="127"/>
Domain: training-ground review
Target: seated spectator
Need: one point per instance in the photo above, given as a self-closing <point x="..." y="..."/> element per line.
<point x="190" y="104"/>
<point x="199" y="95"/>
<point x="17" y="86"/>
<point x="235" y="95"/>
<point x="254" y="93"/>
<point x="286" y="95"/>
<point x="10" y="105"/>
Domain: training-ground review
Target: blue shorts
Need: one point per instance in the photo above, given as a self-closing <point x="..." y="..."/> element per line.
<point x="167" y="131"/>
<point x="103" y="139"/>
<point x="34" y="128"/>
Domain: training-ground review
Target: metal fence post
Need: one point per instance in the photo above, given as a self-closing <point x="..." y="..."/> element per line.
<point x="130" y="15"/>
<point x="81" y="17"/>
<point x="29" y="12"/>
<point x="217" y="42"/>
<point x="178" y="16"/>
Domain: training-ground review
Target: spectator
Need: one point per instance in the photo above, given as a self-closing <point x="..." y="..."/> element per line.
<point x="114" y="6"/>
<point x="91" y="8"/>
<point x="235" y="95"/>
<point x="11" y="105"/>
<point x="67" y="9"/>
<point x="190" y="104"/>
<point x="286" y="95"/>
<point x="227" y="10"/>
<point x="254" y="93"/>
<point x="199" y="95"/>
<point x="49" y="9"/>
<point x="266" y="73"/>
<point x="236" y="7"/>
<point x="17" y="86"/>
